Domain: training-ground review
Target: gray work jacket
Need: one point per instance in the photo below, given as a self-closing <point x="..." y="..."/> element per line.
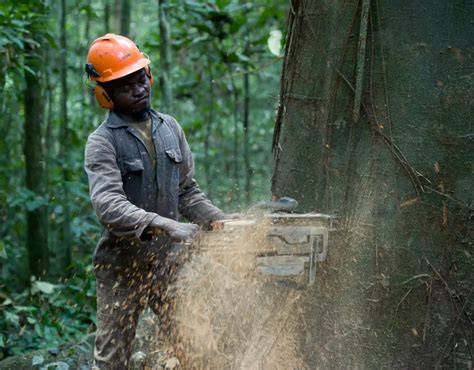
<point x="127" y="197"/>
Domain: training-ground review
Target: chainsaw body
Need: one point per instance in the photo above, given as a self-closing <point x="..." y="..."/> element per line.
<point x="281" y="244"/>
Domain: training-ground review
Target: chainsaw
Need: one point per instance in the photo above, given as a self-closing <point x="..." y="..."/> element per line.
<point x="284" y="243"/>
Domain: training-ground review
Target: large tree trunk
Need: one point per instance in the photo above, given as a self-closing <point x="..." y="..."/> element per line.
<point x="375" y="124"/>
<point x="37" y="238"/>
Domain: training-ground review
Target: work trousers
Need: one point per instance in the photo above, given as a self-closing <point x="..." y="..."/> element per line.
<point x="123" y="295"/>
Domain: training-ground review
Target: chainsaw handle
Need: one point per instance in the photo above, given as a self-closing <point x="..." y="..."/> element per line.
<point x="284" y="204"/>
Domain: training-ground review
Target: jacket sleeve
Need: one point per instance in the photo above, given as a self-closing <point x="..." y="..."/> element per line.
<point x="109" y="201"/>
<point x="193" y="203"/>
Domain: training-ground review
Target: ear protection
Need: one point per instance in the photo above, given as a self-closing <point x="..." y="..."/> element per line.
<point x="105" y="101"/>
<point x="102" y="97"/>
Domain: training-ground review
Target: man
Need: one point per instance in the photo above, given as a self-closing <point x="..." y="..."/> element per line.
<point x="141" y="175"/>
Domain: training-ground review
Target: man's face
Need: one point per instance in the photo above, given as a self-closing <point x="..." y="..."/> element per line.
<point x="131" y="94"/>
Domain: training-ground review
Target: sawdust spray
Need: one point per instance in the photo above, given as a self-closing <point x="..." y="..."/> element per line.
<point x="226" y="315"/>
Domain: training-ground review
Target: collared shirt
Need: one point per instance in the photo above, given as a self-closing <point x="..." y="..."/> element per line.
<point x="128" y="190"/>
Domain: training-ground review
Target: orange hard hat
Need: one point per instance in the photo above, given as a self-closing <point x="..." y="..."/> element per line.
<point x="113" y="56"/>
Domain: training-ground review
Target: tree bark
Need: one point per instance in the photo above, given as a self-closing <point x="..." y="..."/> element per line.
<point x="165" y="58"/>
<point x="396" y="175"/>
<point x="37" y="231"/>
<point x="246" y="123"/>
<point x="125" y="14"/>
<point x="209" y="126"/>
<point x="106" y="17"/>
<point x="235" y="92"/>
<point x="66" y="234"/>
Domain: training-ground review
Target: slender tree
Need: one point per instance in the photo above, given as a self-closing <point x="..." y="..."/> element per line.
<point x="106" y="17"/>
<point x="165" y="58"/>
<point x="246" y="122"/>
<point x="117" y="16"/>
<point x="209" y="126"/>
<point x="64" y="143"/>
<point x="37" y="227"/>
<point x="125" y="15"/>
<point x="232" y="88"/>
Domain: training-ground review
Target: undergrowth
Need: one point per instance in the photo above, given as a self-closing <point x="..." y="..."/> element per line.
<point x="46" y="314"/>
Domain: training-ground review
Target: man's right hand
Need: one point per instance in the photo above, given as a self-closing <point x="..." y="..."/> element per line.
<point x="177" y="231"/>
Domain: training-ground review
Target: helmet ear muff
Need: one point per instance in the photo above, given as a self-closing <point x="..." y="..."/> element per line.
<point x="102" y="97"/>
<point x="150" y="75"/>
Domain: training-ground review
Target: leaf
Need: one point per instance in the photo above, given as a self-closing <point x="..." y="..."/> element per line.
<point x="44" y="286"/>
<point x="242" y="57"/>
<point x="274" y="42"/>
<point x="59" y="365"/>
<point x="29" y="70"/>
<point x="25" y="308"/>
<point x="12" y="318"/>
<point x="36" y="203"/>
<point x="3" y="252"/>
<point x="37" y="360"/>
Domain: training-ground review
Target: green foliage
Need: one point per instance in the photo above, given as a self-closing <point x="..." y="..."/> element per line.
<point x="215" y="44"/>
<point x="46" y="314"/>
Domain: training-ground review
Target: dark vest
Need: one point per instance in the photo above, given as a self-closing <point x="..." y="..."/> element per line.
<point x="157" y="193"/>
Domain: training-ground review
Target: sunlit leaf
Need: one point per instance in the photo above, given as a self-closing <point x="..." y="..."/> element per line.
<point x="3" y="252"/>
<point x="274" y="42"/>
<point x="44" y="287"/>
<point x="12" y="318"/>
<point x="37" y="360"/>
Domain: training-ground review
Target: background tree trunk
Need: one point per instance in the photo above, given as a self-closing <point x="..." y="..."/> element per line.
<point x="125" y="13"/>
<point x="37" y="234"/>
<point x="396" y="289"/>
<point x="106" y="18"/>
<point x="165" y="58"/>
<point x="246" y="124"/>
<point x="66" y="239"/>
<point x="209" y="127"/>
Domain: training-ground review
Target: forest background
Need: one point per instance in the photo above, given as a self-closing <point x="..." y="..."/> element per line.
<point x="217" y="66"/>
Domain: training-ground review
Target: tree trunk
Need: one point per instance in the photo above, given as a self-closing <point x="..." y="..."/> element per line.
<point x="125" y="13"/>
<point x="65" y="253"/>
<point x="87" y="98"/>
<point x="165" y="58"/>
<point x="374" y="125"/>
<point x="246" y="121"/>
<point x="117" y="16"/>
<point x="37" y="232"/>
<point x="209" y="126"/>
<point x="106" y="18"/>
<point x="235" y="92"/>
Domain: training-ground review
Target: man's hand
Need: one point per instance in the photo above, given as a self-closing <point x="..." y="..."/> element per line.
<point x="177" y="231"/>
<point x="219" y="224"/>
